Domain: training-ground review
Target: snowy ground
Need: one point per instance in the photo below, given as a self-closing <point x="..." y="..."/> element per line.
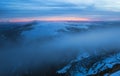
<point x="116" y="74"/>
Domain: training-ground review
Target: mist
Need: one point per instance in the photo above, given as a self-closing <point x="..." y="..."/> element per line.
<point x="40" y="45"/>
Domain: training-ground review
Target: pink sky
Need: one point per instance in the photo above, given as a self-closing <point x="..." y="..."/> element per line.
<point x="50" y="19"/>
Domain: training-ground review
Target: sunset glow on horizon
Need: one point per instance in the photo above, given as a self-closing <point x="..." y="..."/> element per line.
<point x="50" y="19"/>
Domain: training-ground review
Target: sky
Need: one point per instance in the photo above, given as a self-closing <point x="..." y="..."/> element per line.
<point x="26" y="10"/>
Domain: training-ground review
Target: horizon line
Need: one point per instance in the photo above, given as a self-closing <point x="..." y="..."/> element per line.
<point x="52" y="19"/>
<point x="55" y="19"/>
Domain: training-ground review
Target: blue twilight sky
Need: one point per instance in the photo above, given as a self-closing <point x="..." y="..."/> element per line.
<point x="93" y="9"/>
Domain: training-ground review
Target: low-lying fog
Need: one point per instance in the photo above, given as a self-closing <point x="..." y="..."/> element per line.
<point x="53" y="43"/>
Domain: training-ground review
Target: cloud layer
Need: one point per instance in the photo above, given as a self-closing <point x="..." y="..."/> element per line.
<point x="46" y="8"/>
